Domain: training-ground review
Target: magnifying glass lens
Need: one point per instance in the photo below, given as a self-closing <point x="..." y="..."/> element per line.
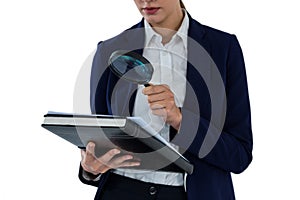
<point x="131" y="66"/>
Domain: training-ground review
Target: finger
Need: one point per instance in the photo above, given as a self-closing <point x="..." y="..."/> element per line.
<point x="130" y="164"/>
<point x="160" y="112"/>
<point x="167" y="103"/>
<point x="109" y="155"/>
<point x="99" y="165"/>
<point x="90" y="152"/>
<point x="90" y="147"/>
<point x="156" y="106"/>
<point x="165" y="95"/>
<point x="153" y="98"/>
<point x="109" y="162"/>
<point x="154" y="89"/>
<point x="82" y="153"/>
<point x="123" y="161"/>
<point x="83" y="161"/>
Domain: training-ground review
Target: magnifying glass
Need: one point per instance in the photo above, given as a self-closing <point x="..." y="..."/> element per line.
<point x="131" y="66"/>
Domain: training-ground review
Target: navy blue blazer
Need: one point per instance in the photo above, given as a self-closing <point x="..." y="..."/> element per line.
<point x="212" y="56"/>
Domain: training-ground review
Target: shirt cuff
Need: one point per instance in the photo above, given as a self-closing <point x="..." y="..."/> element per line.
<point x="89" y="176"/>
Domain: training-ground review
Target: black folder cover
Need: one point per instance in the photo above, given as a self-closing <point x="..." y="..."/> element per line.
<point x="118" y="132"/>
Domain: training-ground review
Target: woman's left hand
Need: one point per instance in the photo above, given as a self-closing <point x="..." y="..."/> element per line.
<point x="162" y="103"/>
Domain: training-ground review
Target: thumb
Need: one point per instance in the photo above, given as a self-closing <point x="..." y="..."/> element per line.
<point x="90" y="148"/>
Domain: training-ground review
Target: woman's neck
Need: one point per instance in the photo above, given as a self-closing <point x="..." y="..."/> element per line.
<point x="169" y="27"/>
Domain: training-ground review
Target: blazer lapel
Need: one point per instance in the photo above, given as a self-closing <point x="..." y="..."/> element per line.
<point x="198" y="63"/>
<point x="139" y="35"/>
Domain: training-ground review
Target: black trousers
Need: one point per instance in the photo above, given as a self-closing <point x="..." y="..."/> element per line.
<point x="122" y="188"/>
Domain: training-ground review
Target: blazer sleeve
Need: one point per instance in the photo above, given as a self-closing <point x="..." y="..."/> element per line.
<point x="92" y="180"/>
<point x="233" y="150"/>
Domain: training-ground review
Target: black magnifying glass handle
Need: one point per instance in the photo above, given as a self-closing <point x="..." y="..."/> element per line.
<point x="146" y="84"/>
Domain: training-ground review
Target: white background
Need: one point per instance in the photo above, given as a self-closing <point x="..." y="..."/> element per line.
<point x="44" y="43"/>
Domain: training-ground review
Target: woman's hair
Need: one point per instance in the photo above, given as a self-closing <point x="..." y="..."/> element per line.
<point x="181" y="4"/>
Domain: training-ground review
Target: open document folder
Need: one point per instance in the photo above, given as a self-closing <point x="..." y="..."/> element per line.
<point x="129" y="134"/>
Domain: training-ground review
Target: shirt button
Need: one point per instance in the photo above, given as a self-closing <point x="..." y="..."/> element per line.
<point x="152" y="190"/>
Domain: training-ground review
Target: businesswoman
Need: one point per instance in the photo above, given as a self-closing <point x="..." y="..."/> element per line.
<point x="189" y="61"/>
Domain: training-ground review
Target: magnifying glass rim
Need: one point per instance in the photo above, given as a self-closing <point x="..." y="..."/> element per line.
<point x="134" y="55"/>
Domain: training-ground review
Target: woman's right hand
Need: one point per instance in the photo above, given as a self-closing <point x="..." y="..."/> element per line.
<point x="102" y="164"/>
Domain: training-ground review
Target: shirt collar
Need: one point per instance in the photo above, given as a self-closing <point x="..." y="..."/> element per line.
<point x="182" y="31"/>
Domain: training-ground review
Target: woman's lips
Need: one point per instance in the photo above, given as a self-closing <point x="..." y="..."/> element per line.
<point x="150" y="10"/>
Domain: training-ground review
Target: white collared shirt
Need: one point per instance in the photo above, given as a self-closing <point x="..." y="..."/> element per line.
<point x="170" y="66"/>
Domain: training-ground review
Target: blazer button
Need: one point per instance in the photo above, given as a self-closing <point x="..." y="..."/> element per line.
<point x="152" y="190"/>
